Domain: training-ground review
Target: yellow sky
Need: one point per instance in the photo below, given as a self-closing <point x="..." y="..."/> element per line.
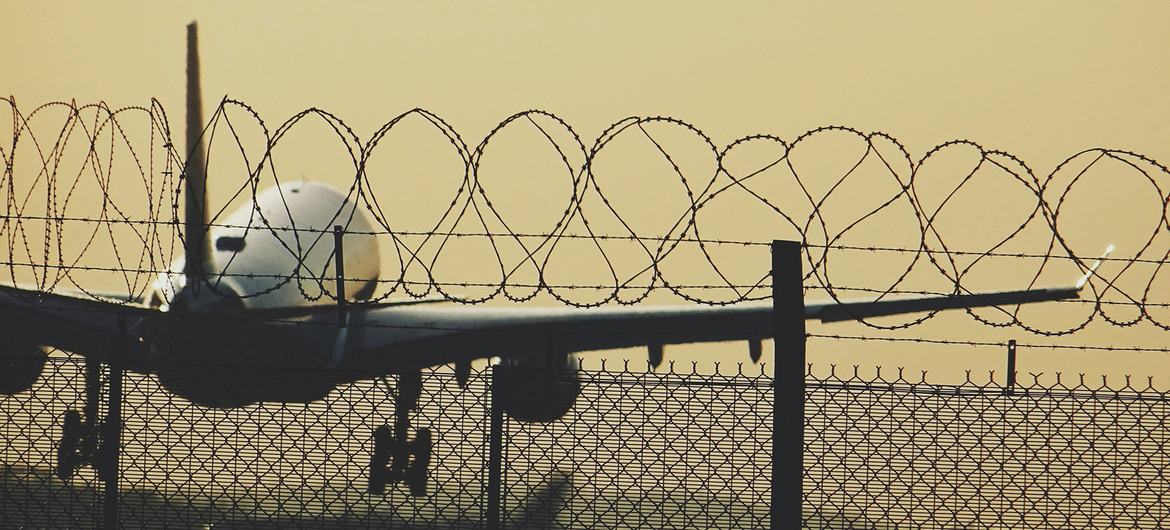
<point x="1041" y="80"/>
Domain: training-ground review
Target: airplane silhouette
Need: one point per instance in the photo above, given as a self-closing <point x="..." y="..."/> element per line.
<point x="216" y="331"/>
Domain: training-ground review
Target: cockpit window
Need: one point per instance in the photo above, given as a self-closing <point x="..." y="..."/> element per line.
<point x="229" y="243"/>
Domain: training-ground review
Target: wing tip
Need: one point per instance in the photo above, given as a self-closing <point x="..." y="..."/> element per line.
<point x="1084" y="280"/>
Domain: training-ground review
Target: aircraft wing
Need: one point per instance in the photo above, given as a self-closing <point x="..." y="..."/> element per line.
<point x="426" y="335"/>
<point x="838" y="311"/>
<point x="390" y="337"/>
<point x="68" y="321"/>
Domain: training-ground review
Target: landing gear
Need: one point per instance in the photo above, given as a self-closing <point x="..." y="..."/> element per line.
<point x="399" y="460"/>
<point x="82" y="436"/>
<point x="396" y="458"/>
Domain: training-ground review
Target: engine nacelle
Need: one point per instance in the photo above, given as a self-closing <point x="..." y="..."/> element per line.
<point x="538" y="389"/>
<point x="20" y="366"/>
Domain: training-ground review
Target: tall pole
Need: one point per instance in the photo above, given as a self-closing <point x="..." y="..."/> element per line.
<point x="787" y="385"/>
<point x="339" y="270"/>
<point x="495" y="450"/>
<point x="1010" y="387"/>
<point x="111" y="430"/>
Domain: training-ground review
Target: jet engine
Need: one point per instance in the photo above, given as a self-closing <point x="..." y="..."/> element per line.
<point x="20" y="366"/>
<point x="538" y="388"/>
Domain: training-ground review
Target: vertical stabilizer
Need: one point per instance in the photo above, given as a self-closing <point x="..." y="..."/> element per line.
<point x="197" y="247"/>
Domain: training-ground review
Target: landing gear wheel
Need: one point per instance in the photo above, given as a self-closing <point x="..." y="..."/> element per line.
<point x="416" y="474"/>
<point x="68" y="459"/>
<point x="396" y="458"/>
<point x="379" y="475"/>
<point x="83" y="437"/>
<point x="107" y="432"/>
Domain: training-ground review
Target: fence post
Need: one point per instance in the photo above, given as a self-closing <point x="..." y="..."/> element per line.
<point x="111" y="430"/>
<point x="1011" y="368"/>
<point x="339" y="272"/>
<point x="787" y="385"/>
<point x="495" y="451"/>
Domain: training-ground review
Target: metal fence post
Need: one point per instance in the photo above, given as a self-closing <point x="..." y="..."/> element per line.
<point x="111" y="430"/>
<point x="1010" y="386"/>
<point x="339" y="272"/>
<point x="787" y="385"/>
<point x="495" y="451"/>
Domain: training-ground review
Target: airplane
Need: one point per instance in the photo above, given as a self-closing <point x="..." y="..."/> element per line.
<point x="215" y="330"/>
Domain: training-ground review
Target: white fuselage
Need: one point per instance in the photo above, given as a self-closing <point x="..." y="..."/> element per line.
<point x="277" y="251"/>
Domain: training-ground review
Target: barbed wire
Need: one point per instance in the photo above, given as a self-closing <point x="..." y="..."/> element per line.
<point x="599" y="237"/>
<point x="85" y="181"/>
<point x="986" y="343"/>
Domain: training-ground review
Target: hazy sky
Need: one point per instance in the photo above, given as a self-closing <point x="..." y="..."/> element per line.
<point x="1041" y="80"/>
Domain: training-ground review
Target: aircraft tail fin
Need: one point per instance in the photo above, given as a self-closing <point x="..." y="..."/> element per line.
<point x="197" y="248"/>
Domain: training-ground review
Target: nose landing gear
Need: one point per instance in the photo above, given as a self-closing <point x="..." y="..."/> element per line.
<point x="396" y="458"/>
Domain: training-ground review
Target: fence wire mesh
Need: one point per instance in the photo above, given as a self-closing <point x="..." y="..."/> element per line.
<point x="900" y="452"/>
<point x="653" y="450"/>
<point x="307" y="465"/>
<point x="668" y="449"/>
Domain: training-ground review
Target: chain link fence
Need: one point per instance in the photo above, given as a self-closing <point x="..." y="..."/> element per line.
<point x="899" y="452"/>
<point x="641" y="449"/>
<point x="667" y="449"/>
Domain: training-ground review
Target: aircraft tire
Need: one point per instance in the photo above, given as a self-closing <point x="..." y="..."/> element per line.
<point x="417" y="474"/>
<point x="67" y="461"/>
<point x="379" y="459"/>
